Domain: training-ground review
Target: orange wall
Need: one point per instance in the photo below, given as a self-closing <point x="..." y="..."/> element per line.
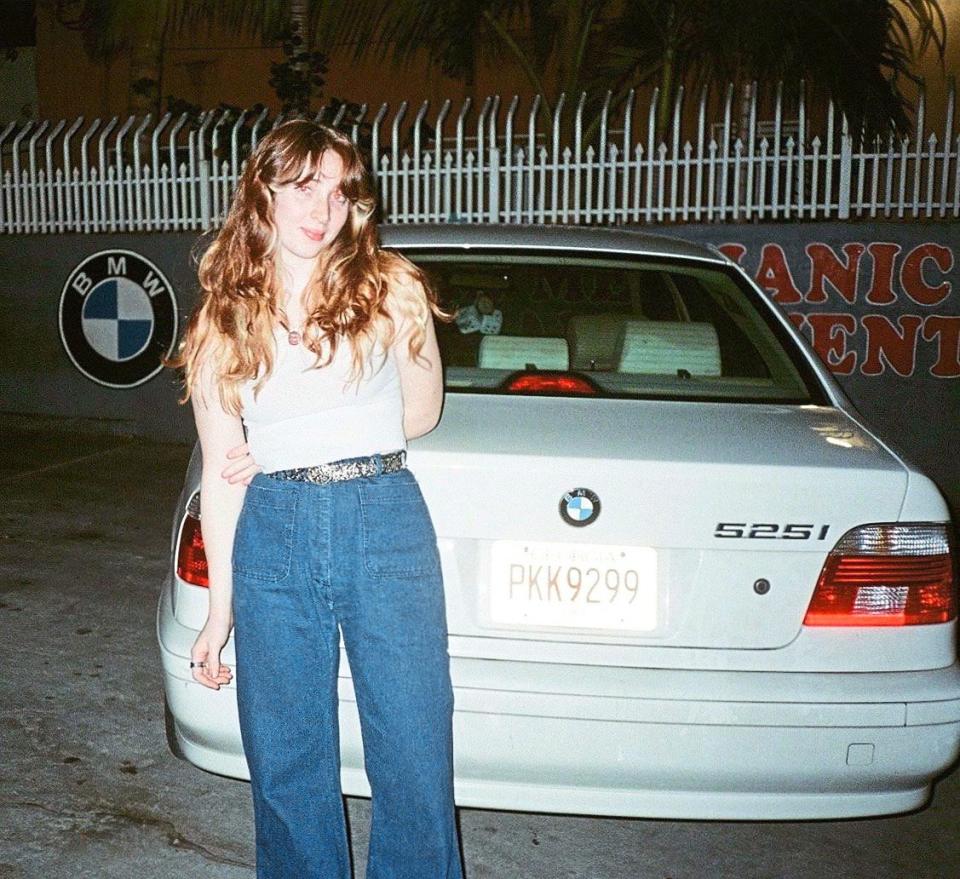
<point x="210" y="66"/>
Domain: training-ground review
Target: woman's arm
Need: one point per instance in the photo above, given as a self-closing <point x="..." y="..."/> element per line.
<point x="421" y="381"/>
<point x="220" y="503"/>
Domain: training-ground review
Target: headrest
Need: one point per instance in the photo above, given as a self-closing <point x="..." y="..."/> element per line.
<point x="520" y="352"/>
<point x="593" y="340"/>
<point x="664" y="347"/>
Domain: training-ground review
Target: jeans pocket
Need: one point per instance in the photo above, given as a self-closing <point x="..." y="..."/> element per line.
<point x="398" y="536"/>
<point x="263" y="543"/>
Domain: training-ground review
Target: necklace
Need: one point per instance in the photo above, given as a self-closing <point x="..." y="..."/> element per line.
<point x="293" y="336"/>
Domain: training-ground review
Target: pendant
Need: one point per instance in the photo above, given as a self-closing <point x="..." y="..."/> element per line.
<point x="293" y="337"/>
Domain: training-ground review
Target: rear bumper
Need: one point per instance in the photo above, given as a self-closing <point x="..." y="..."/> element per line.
<point x="646" y="742"/>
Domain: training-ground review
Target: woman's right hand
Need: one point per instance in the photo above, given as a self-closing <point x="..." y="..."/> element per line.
<point x="206" y="667"/>
<point x="242" y="466"/>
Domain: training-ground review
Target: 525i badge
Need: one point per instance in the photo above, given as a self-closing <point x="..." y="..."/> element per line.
<point x="771" y="530"/>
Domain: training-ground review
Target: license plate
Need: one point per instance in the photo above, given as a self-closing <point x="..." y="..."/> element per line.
<point x="578" y="586"/>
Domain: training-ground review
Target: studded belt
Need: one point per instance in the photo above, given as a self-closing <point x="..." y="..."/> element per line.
<point x="348" y="468"/>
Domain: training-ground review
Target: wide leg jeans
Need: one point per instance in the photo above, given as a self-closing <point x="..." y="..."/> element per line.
<point x="357" y="557"/>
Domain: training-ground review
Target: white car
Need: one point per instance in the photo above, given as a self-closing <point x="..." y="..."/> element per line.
<point x="683" y="578"/>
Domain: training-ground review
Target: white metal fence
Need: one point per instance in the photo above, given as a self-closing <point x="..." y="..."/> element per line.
<point x="498" y="164"/>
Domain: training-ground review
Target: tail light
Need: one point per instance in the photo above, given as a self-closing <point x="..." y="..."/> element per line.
<point x="887" y="575"/>
<point x="191" y="558"/>
<point x="549" y="383"/>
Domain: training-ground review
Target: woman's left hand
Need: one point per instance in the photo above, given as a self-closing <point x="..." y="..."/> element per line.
<point x="242" y="467"/>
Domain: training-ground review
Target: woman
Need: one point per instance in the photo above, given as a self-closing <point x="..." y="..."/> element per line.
<point x="323" y="346"/>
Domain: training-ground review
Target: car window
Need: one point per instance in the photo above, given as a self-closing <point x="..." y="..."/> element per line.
<point x="616" y="327"/>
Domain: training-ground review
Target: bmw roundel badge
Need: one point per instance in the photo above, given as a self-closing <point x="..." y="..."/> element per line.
<point x="579" y="507"/>
<point x="118" y="318"/>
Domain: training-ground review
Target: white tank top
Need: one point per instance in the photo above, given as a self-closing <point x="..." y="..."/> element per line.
<point x="304" y="416"/>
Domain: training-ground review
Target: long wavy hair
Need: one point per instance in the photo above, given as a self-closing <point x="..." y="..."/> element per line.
<point x="357" y="294"/>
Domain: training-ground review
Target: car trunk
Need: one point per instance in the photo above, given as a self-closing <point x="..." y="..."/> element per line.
<point x="714" y="519"/>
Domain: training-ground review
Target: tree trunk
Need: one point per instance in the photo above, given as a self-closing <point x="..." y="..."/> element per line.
<point x="746" y="100"/>
<point x="668" y="71"/>
<point x="300" y="24"/>
<point x="567" y="43"/>
<point x="146" y="59"/>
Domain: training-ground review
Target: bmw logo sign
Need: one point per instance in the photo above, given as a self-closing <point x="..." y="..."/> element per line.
<point x="579" y="507"/>
<point x="118" y="318"/>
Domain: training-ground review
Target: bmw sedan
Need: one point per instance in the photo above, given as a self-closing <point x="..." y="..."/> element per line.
<point x="683" y="578"/>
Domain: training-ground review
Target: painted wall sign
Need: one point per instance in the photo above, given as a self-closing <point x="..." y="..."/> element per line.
<point x="870" y="309"/>
<point x="118" y="318"/>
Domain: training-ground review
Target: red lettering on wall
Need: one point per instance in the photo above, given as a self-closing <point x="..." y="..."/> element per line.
<point x="893" y="344"/>
<point x="825" y="265"/>
<point x="829" y="338"/>
<point x="884" y="255"/>
<point x="946" y="331"/>
<point x="735" y="251"/>
<point x="911" y="273"/>
<point x="773" y="274"/>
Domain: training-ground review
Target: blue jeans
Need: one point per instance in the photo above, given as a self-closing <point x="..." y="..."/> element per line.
<point x="358" y="557"/>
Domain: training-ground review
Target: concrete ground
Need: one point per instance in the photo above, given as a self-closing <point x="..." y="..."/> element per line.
<point x="88" y="788"/>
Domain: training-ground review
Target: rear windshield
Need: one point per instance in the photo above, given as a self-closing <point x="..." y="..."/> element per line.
<point x="616" y="327"/>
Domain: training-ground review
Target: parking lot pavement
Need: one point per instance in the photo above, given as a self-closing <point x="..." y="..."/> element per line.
<point x="88" y="788"/>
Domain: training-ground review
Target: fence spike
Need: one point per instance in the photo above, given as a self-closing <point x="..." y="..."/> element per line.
<point x="357" y="122"/>
<point x="604" y="115"/>
<point x="555" y="151"/>
<point x="255" y="128"/>
<point x="511" y="112"/>
<point x="395" y="151"/>
<point x="675" y="162"/>
<point x="102" y="143"/>
<point x="458" y="183"/>
<point x="651" y="147"/>
<point x="947" y="132"/>
<point x="751" y="133"/>
<point x="627" y="135"/>
<point x="578" y="126"/>
<point x="121" y="134"/>
<point x="32" y="158"/>
<point x="205" y="121"/>
<point x="375" y="138"/>
<point x="5" y="195"/>
<point x="417" y="123"/>
<point x="492" y="123"/>
<point x="234" y="141"/>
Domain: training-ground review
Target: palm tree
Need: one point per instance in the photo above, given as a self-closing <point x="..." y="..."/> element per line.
<point x="859" y="50"/>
